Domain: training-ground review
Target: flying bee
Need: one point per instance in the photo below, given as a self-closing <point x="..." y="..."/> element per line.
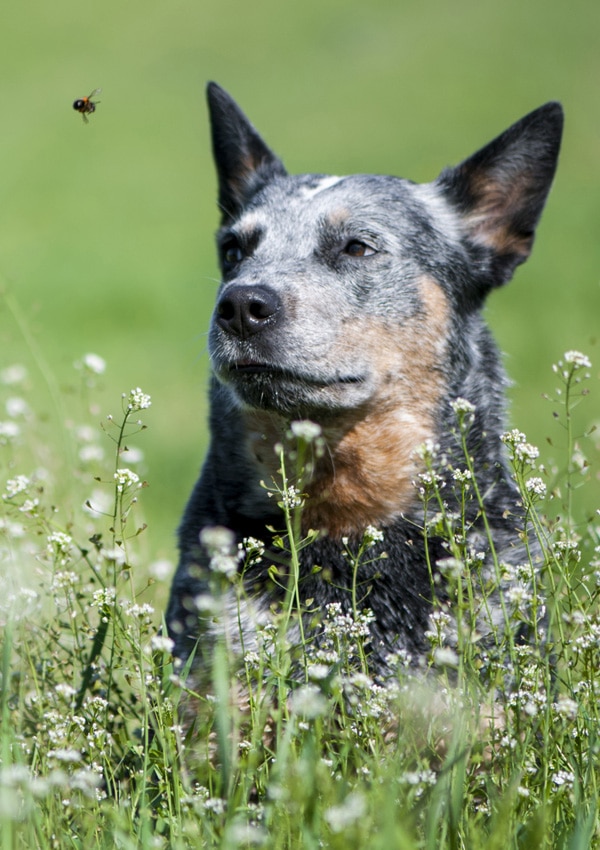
<point x="86" y="105"/>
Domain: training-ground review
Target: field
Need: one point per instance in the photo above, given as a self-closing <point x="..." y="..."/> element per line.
<point x="106" y="249"/>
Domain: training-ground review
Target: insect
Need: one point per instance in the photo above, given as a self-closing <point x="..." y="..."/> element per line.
<point x="86" y="105"/>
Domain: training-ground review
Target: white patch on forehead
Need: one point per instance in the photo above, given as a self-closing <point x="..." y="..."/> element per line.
<point x="325" y="183"/>
<point x="249" y="221"/>
<point x="441" y="210"/>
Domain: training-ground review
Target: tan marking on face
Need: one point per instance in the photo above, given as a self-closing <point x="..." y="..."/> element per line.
<point x="368" y="478"/>
<point x="366" y="474"/>
<point x="338" y="217"/>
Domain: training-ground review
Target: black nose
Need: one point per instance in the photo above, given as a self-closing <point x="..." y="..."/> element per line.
<point x="246" y="310"/>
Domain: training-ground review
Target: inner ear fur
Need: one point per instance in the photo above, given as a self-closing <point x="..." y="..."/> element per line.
<point x="501" y="190"/>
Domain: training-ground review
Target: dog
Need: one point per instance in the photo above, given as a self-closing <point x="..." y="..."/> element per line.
<point x="356" y="303"/>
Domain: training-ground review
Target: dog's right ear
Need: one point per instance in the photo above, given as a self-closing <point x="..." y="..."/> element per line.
<point x="501" y="190"/>
<point x="243" y="160"/>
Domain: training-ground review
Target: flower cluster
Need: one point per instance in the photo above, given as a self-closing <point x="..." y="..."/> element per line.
<point x="60" y="547"/>
<point x="138" y="400"/>
<point x="14" y="486"/>
<point x="126" y="479"/>
<point x="92" y="363"/>
<point x="223" y="553"/>
<point x="523" y="453"/>
<point x="465" y="413"/>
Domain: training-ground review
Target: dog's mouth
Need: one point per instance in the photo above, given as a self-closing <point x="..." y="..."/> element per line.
<point x="277" y="373"/>
<point x="299" y="392"/>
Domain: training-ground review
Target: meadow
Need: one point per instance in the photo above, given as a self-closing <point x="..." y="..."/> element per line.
<point x="107" y="279"/>
<point x="106" y="741"/>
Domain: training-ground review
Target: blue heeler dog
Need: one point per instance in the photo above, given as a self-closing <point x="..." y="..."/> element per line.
<point x="355" y="303"/>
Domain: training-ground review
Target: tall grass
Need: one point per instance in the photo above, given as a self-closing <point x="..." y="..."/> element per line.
<point x="107" y="742"/>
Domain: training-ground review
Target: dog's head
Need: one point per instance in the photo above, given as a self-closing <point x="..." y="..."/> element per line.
<point x="340" y="293"/>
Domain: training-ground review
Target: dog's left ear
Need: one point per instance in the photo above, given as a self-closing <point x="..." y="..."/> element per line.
<point x="501" y="190"/>
<point x="243" y="160"/>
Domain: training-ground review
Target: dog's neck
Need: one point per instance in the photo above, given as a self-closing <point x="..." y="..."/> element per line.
<point x="364" y="475"/>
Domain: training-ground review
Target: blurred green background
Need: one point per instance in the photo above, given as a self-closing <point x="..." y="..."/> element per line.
<point x="106" y="229"/>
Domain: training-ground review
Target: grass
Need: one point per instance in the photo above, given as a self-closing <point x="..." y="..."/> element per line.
<point x="105" y="743"/>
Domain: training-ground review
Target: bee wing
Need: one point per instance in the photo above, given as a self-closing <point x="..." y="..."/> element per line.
<point x="94" y="93"/>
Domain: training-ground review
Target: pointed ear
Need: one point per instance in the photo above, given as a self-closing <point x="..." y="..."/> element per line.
<point x="243" y="160"/>
<point x="501" y="190"/>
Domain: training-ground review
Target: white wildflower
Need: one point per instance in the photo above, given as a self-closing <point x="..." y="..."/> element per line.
<point x="430" y="479"/>
<point x="291" y="498"/>
<point x="372" y="535"/>
<point x="566" y="707"/>
<point x="216" y="805"/>
<point x="252" y="660"/>
<point x="462" y="406"/>
<point x="162" y="643"/>
<point x="317" y="672"/>
<point x="138" y="400"/>
<point x="161" y="569"/>
<point x="347" y="813"/>
<point x="8" y="431"/>
<point x="12" y="529"/>
<point x="579" y="460"/>
<point x="65" y="690"/>
<point x="207" y="604"/>
<point x="219" y="543"/>
<point x="527" y="452"/>
<point x="450" y="567"/>
<point x="14" y="486"/>
<point x="68" y="756"/>
<point x="305" y="430"/>
<point x="563" y="778"/>
<point x="91" y="454"/>
<point x="245" y="835"/>
<point x="252" y="550"/>
<point x="536" y="487"/>
<point x="137" y="611"/>
<point x="513" y="438"/>
<point x="14" y="374"/>
<point x="445" y="657"/>
<point x="93" y="363"/>
<point x="132" y="455"/>
<point x="103" y="597"/>
<point x="578" y="359"/>
<point x="125" y="479"/>
<point x="418" y="777"/>
<point x="16" y="406"/>
<point x="30" y="506"/>
<point x="87" y="781"/>
<point x="428" y="450"/>
<point x="64" y="580"/>
<point x="519" y="595"/>
<point x="86" y="434"/>
<point x="308" y="701"/>
<point x="114" y="555"/>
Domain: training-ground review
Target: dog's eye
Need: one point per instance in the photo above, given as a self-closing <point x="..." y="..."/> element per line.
<point x="356" y="248"/>
<point x="232" y="253"/>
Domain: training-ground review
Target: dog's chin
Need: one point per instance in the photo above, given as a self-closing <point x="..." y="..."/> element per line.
<point x="290" y="393"/>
